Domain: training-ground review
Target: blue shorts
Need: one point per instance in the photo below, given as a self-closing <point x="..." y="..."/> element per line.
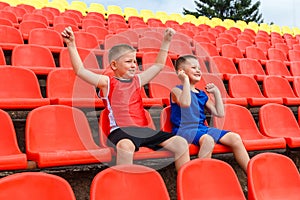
<point x="215" y="133"/>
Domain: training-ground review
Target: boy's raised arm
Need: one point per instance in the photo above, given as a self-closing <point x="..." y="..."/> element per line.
<point x="90" y="77"/>
<point x="161" y="58"/>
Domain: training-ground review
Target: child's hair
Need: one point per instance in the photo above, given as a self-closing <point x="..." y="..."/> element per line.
<point x="183" y="59"/>
<point x="118" y="50"/>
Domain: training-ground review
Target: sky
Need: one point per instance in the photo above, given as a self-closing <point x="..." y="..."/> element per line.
<point x="280" y="12"/>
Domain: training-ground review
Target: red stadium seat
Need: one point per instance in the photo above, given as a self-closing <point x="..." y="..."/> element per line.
<point x="2" y="57"/>
<point x="295" y="68"/>
<point x="87" y="56"/>
<point x="277" y="54"/>
<point x="268" y="173"/>
<point x="34" y="186"/>
<point x="162" y="84"/>
<point x="232" y="51"/>
<point x="11" y="158"/>
<point x="217" y="173"/>
<point x="19" y="89"/>
<point x="213" y="78"/>
<point x="35" y="17"/>
<point x="64" y="88"/>
<point x="222" y="66"/>
<point x="112" y="40"/>
<point x="146" y="44"/>
<point x="141" y="181"/>
<point x="244" y="124"/>
<point x="206" y="50"/>
<point x="46" y="37"/>
<point x="294" y="55"/>
<point x="256" y="53"/>
<point x="246" y="86"/>
<point x="26" y="56"/>
<point x="26" y="26"/>
<point x="63" y="138"/>
<point x="99" y="32"/>
<point x="278" y="68"/>
<point x="86" y="40"/>
<point x="10" y="37"/>
<point x="46" y="13"/>
<point x="279" y="87"/>
<point x="252" y="67"/>
<point x="278" y="121"/>
<point x="144" y="152"/>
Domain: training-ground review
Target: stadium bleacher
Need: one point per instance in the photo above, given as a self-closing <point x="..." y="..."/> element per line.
<point x="256" y="67"/>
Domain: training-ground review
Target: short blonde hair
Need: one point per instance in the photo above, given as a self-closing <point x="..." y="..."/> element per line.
<point x="118" y="50"/>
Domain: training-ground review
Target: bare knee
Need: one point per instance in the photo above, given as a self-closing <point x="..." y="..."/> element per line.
<point x="207" y="141"/>
<point x="176" y="144"/>
<point x="233" y="139"/>
<point x="125" y="145"/>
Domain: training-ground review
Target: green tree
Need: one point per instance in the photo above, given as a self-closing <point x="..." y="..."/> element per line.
<point x="228" y="9"/>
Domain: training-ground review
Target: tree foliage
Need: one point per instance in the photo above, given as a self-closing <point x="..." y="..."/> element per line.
<point x="228" y="9"/>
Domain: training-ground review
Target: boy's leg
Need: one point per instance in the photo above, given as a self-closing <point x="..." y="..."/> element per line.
<point x="125" y="150"/>
<point x="240" y="153"/>
<point x="180" y="148"/>
<point x="207" y="145"/>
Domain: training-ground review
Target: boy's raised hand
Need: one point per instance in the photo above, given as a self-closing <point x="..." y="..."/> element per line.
<point x="169" y="32"/>
<point x="68" y="35"/>
<point x="211" y="88"/>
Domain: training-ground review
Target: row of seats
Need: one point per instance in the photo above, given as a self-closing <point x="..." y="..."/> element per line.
<point x="59" y="139"/>
<point x="82" y="10"/>
<point x="267" y="173"/>
<point x="63" y="87"/>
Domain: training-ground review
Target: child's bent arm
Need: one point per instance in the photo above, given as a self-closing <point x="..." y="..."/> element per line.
<point x="161" y="58"/>
<point x="97" y="80"/>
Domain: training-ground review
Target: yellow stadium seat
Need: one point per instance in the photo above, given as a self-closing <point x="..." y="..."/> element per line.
<point x="253" y="25"/>
<point x="265" y="27"/>
<point x="275" y="28"/>
<point x="177" y="17"/>
<point x="113" y="9"/>
<point x="146" y="14"/>
<point x="216" y="21"/>
<point x="13" y="2"/>
<point x="129" y="11"/>
<point x="296" y="31"/>
<point x="80" y="6"/>
<point x="60" y="5"/>
<point x="228" y="23"/>
<point x="36" y="3"/>
<point x="97" y="7"/>
<point x="162" y="15"/>
<point x="286" y="29"/>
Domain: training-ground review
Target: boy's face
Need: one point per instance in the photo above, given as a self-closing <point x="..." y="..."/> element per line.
<point x="192" y="69"/>
<point x="125" y="66"/>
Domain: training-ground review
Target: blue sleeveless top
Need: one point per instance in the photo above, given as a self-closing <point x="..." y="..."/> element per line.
<point x="187" y="122"/>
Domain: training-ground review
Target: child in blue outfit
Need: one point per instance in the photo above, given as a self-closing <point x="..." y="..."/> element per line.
<point x="188" y="117"/>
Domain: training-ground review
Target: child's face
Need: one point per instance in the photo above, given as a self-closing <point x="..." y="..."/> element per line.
<point x="125" y="66"/>
<point x="192" y="69"/>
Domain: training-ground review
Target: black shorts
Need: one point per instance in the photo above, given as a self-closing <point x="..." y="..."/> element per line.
<point x="140" y="136"/>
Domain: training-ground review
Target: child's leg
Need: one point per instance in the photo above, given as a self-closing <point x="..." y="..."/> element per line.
<point x="207" y="145"/>
<point x="125" y="150"/>
<point x="240" y="153"/>
<point x="180" y="148"/>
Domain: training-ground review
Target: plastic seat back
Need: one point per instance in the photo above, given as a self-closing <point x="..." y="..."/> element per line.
<point x="26" y="26"/>
<point x="276" y="86"/>
<point x="244" y="86"/>
<point x="26" y="56"/>
<point x="131" y="182"/>
<point x="88" y="58"/>
<point x="223" y="66"/>
<point x="255" y="53"/>
<point x="10" y="37"/>
<point x="17" y="82"/>
<point x="272" y="176"/>
<point x="231" y="51"/>
<point x="64" y="137"/>
<point x="46" y="37"/>
<point x="86" y="40"/>
<point x="218" y="174"/>
<point x="276" y="54"/>
<point x="294" y="55"/>
<point x="277" y="120"/>
<point x="34" y="186"/>
<point x="111" y="41"/>
<point x="251" y="67"/>
<point x="2" y="57"/>
<point x="11" y="157"/>
<point x="148" y="58"/>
